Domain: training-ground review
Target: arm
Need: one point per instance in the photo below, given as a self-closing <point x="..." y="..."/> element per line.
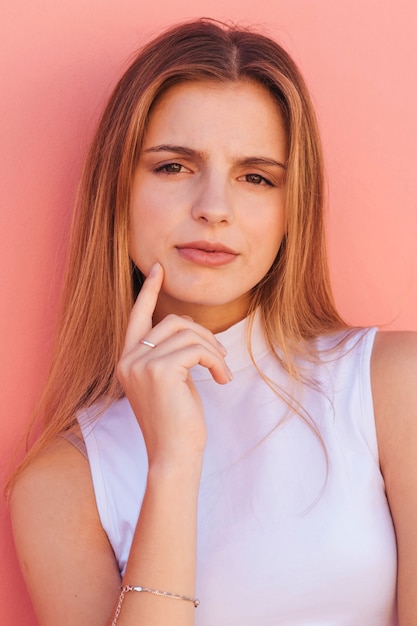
<point x="69" y="566"/>
<point x="394" y="382"/>
<point x="169" y="411"/>
<point x="65" y="557"/>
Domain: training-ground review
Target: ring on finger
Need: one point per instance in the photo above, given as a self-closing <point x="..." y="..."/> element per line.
<point x="145" y="342"/>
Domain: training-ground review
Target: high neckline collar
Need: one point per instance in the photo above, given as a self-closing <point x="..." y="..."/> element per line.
<point x="235" y="340"/>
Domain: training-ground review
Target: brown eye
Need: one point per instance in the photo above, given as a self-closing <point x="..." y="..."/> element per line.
<point x="254" y="178"/>
<point x="172" y="168"/>
<point x="257" y="179"/>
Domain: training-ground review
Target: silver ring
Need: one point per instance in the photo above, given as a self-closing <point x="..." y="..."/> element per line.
<point x="145" y="342"/>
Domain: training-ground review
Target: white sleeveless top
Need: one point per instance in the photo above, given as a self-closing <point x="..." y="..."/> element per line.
<point x="285" y="537"/>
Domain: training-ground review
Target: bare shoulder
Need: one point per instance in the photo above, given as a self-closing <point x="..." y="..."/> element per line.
<point x="392" y="350"/>
<point x="394" y="386"/>
<point x="57" y="471"/>
<point x="60" y="542"/>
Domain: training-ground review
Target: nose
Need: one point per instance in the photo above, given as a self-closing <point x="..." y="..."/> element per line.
<point x="213" y="201"/>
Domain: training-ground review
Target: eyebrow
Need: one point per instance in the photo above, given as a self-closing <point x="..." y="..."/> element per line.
<point x="262" y="161"/>
<point x="189" y="152"/>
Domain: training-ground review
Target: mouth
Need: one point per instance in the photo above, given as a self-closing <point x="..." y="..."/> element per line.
<point x="209" y="254"/>
<point x="207" y="246"/>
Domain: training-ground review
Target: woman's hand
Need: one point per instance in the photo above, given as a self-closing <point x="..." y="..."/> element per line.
<point x="157" y="381"/>
<point x="158" y="385"/>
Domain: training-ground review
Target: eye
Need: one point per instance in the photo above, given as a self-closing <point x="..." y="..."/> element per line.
<point x="171" y="168"/>
<point x="257" y="179"/>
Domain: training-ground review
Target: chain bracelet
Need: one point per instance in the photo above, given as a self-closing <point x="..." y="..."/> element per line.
<point x="165" y="594"/>
<point x="119" y="606"/>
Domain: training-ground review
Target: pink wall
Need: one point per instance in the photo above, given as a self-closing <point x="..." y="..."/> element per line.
<point x="60" y="59"/>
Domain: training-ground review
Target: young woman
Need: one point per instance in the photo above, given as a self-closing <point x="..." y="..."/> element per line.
<point x="226" y="436"/>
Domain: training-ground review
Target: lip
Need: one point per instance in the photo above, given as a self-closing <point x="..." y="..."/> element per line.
<point x="207" y="253"/>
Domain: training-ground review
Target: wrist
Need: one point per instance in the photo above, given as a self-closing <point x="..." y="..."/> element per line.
<point x="175" y="472"/>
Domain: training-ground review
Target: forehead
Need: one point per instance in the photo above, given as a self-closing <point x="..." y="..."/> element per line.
<point x="202" y="114"/>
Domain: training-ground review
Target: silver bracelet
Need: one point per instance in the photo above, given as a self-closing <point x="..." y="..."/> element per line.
<point x="165" y="594"/>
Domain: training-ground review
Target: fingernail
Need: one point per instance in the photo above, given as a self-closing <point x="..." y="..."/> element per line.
<point x="154" y="270"/>
<point x="230" y="375"/>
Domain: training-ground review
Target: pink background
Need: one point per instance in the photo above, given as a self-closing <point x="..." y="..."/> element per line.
<point x="58" y="63"/>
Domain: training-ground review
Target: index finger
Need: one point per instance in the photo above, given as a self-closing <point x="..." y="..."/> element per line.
<point x="140" y="321"/>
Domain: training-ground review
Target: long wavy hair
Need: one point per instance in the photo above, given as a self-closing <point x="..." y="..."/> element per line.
<point x="294" y="298"/>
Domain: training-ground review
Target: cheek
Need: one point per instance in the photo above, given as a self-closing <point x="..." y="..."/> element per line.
<point x="143" y="214"/>
<point x="268" y="235"/>
<point x="141" y="238"/>
<point x="149" y="232"/>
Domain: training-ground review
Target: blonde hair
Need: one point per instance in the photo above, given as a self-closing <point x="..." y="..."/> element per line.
<point x="294" y="297"/>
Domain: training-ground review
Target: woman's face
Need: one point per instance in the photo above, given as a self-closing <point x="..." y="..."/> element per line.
<point x="208" y="197"/>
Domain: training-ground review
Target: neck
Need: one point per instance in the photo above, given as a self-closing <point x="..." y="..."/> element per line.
<point x="215" y="318"/>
